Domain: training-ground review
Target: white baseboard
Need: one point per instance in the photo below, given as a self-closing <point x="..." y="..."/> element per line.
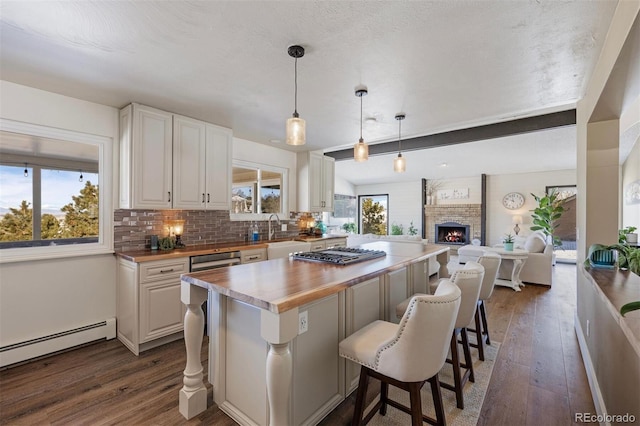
<point x="24" y="351"/>
<point x="596" y="394"/>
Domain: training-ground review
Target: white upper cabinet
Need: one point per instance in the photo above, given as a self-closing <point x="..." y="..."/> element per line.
<point x="189" y="163"/>
<point x="145" y="158"/>
<point x="171" y="161"/>
<point x="316" y="182"/>
<point x="218" y="170"/>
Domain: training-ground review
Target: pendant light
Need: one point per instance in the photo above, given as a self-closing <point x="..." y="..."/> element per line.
<point x="361" y="149"/>
<point x="399" y="165"/>
<point x="296" y="125"/>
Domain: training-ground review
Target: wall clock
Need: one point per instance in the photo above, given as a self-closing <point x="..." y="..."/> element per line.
<point x="513" y="200"/>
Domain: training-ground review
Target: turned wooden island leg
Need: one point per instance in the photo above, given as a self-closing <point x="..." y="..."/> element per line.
<point x="278" y="330"/>
<point x="193" y="395"/>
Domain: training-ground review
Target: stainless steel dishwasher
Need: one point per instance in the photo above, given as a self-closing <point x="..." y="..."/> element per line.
<point x="203" y="262"/>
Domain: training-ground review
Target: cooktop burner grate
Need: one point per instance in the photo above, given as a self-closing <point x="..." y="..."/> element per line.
<point x="340" y="255"/>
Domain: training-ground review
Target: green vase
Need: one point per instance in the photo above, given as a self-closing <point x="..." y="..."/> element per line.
<point x="508" y="246"/>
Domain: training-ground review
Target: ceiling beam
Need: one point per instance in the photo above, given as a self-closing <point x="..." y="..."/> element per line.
<point x="473" y="134"/>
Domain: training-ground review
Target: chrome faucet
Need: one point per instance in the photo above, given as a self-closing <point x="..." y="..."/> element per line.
<point x="272" y="231"/>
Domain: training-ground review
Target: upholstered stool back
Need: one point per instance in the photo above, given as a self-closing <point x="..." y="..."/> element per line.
<point x="490" y="261"/>
<point x="469" y="281"/>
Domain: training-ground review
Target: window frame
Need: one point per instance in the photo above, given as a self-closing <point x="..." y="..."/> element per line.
<point x="104" y="245"/>
<point x="284" y="191"/>
<point x="360" y="197"/>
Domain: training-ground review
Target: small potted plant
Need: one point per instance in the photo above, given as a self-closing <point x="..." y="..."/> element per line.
<point x="508" y="242"/>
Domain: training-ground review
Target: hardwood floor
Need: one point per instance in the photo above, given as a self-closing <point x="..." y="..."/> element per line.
<point x="538" y="378"/>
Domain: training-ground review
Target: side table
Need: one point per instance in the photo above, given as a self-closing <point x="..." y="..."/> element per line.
<point x="519" y="257"/>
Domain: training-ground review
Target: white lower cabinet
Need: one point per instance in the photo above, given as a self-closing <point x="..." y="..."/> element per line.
<point x="148" y="307"/>
<point x="327" y="244"/>
<point x="253" y="255"/>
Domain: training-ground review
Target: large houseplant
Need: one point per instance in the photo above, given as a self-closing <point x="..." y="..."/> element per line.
<point x="545" y="216"/>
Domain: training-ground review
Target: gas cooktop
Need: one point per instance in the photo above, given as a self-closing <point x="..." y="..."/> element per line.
<point x="340" y="255"/>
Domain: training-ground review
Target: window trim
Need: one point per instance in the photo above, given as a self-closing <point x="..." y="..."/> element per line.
<point x="284" y="191"/>
<point x="105" y="168"/>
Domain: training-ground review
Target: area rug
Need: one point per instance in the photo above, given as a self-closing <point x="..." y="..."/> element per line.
<point x="473" y="395"/>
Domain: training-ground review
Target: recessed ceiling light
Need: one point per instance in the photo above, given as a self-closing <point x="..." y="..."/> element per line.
<point x="443" y="165"/>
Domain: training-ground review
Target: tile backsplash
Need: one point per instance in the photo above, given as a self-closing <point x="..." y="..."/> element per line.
<point x="133" y="228"/>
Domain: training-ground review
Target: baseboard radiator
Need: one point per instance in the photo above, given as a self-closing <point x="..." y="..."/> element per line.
<point x="33" y="348"/>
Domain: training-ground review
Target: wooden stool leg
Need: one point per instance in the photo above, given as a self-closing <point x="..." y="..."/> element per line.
<point x="479" y="337"/>
<point x="485" y="327"/>
<point x="358" y="411"/>
<point x="457" y="379"/>
<point x="437" y="400"/>
<point x="416" y="404"/>
<point x="467" y="354"/>
<point x="384" y="392"/>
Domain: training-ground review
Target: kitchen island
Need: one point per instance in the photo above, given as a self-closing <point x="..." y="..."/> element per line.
<point x="275" y="328"/>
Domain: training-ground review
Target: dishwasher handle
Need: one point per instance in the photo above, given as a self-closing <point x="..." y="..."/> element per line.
<point x="214" y="264"/>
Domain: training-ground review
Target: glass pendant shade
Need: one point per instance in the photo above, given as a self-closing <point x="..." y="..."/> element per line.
<point x="296" y="131"/>
<point x="361" y="151"/>
<point x="296" y="126"/>
<point x="399" y="165"/>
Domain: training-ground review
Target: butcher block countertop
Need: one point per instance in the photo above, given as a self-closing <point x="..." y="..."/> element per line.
<point x="279" y="285"/>
<point x="148" y="255"/>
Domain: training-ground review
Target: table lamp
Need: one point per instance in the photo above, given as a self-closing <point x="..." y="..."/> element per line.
<point x="517" y="220"/>
<point x="178" y="228"/>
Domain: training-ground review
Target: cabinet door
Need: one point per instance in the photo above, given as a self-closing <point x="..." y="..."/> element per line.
<point x="396" y="291"/>
<point x="188" y="163"/>
<point x="328" y="183"/>
<point x="316" y="164"/>
<point x="152" y="160"/>
<point x="218" y="171"/>
<point x="161" y="310"/>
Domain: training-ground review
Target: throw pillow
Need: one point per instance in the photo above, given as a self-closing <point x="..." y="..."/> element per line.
<point x="535" y="243"/>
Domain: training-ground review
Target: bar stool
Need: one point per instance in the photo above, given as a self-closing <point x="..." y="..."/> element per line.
<point x="405" y="355"/>
<point x="469" y="280"/>
<point x="491" y="263"/>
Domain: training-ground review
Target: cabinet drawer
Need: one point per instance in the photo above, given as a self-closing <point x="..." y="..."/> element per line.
<point x="337" y="242"/>
<point x="250" y="256"/>
<point x="318" y="245"/>
<point x="163" y="269"/>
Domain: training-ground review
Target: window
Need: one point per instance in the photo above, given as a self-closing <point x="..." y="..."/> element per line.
<point x="50" y="186"/>
<point x="372" y="214"/>
<point x="257" y="190"/>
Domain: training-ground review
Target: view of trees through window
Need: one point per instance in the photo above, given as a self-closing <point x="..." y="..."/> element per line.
<point x="373" y="214"/>
<point x="67" y="205"/>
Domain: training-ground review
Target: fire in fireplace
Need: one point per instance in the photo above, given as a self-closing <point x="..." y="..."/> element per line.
<point x="452" y="233"/>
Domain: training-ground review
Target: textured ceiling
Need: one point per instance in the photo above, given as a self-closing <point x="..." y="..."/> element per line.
<point x="447" y="65"/>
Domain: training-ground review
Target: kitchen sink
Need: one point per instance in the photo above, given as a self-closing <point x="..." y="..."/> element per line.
<point x="280" y="249"/>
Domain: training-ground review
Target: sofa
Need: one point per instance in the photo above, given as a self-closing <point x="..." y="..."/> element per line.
<point x="536" y="270"/>
<point x="354" y="240"/>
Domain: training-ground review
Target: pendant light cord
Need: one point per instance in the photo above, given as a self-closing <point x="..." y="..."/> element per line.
<point x="295" y="101"/>
<point x="399" y="138"/>
<point x="361" y="140"/>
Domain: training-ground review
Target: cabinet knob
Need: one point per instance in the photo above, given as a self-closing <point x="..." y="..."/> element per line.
<point x="208" y="198"/>
<point x="164" y="271"/>
<point x="169" y="192"/>
<point x="203" y="197"/>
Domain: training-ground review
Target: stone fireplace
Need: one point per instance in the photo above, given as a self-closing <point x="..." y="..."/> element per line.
<point x="452" y="233"/>
<point x="466" y="215"/>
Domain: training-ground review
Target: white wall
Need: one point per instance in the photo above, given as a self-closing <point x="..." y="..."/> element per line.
<point x="473" y="184"/>
<point x="38" y="298"/>
<point x="263" y="154"/>
<point x="405" y="202"/>
<point x="630" y="122"/>
<point x="499" y="218"/>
